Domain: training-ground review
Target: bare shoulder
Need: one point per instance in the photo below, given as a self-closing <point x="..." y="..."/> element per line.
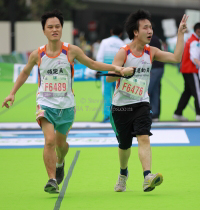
<point x="34" y="57"/>
<point x="120" y="57"/>
<point x="32" y="60"/>
<point x="153" y="51"/>
<point x="75" y="52"/>
<point x="74" y="48"/>
<point x="121" y="52"/>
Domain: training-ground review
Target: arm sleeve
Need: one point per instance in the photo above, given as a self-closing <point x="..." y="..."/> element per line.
<point x="100" y="53"/>
<point x="194" y="51"/>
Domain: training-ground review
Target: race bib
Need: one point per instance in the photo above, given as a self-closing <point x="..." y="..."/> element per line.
<point x="55" y="85"/>
<point x="133" y="88"/>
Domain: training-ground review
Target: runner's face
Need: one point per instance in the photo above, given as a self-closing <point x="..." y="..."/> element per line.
<point x="145" y="31"/>
<point x="53" y="29"/>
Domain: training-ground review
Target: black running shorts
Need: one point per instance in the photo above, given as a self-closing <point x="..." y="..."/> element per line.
<point x="129" y="121"/>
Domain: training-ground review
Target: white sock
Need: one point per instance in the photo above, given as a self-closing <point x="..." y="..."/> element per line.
<point x="59" y="165"/>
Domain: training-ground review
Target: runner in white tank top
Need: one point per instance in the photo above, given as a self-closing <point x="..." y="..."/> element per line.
<point x="55" y="99"/>
<point x="131" y="112"/>
<point x="55" y="79"/>
<point x="135" y="89"/>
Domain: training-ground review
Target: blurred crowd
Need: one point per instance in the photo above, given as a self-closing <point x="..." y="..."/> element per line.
<point x="90" y="48"/>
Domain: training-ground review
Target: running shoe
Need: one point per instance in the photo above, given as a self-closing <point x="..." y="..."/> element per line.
<point x="121" y="183"/>
<point x="60" y="173"/>
<point x="151" y="181"/>
<point x="51" y="187"/>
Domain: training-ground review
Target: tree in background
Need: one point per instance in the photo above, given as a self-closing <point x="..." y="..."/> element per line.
<point x="22" y="11"/>
<point x="33" y="9"/>
<point x="38" y="7"/>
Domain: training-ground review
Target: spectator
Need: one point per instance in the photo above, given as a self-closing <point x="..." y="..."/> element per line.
<point x="95" y="48"/>
<point x="155" y="81"/>
<point x="189" y="68"/>
<point x="127" y="41"/>
<point x="106" y="53"/>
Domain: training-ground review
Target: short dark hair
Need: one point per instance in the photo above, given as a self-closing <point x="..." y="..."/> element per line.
<point x="54" y="13"/>
<point x="117" y="30"/>
<point x="196" y="26"/>
<point x="132" y="22"/>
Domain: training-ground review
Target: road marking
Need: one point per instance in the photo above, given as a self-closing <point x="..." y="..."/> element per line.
<point x="66" y="181"/>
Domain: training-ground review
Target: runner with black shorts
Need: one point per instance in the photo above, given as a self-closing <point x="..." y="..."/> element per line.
<point x="131" y="111"/>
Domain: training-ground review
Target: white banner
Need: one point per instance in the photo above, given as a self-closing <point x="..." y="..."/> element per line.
<point x="33" y="77"/>
<point x="194" y="17"/>
<point x="19" y="138"/>
<point x="169" y="27"/>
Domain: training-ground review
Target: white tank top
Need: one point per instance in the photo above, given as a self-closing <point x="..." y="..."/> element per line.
<point x="135" y="89"/>
<point x="55" y="79"/>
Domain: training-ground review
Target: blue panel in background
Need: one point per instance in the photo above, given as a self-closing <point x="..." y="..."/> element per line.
<point x="83" y="73"/>
<point x="194" y="136"/>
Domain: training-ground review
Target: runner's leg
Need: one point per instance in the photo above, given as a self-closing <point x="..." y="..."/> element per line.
<point x="124" y="157"/>
<point x="61" y="147"/>
<point x="49" y="153"/>
<point x="144" y="151"/>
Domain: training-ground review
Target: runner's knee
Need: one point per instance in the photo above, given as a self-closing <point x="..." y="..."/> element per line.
<point x="125" y="146"/>
<point x="50" y="141"/>
<point x="143" y="139"/>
